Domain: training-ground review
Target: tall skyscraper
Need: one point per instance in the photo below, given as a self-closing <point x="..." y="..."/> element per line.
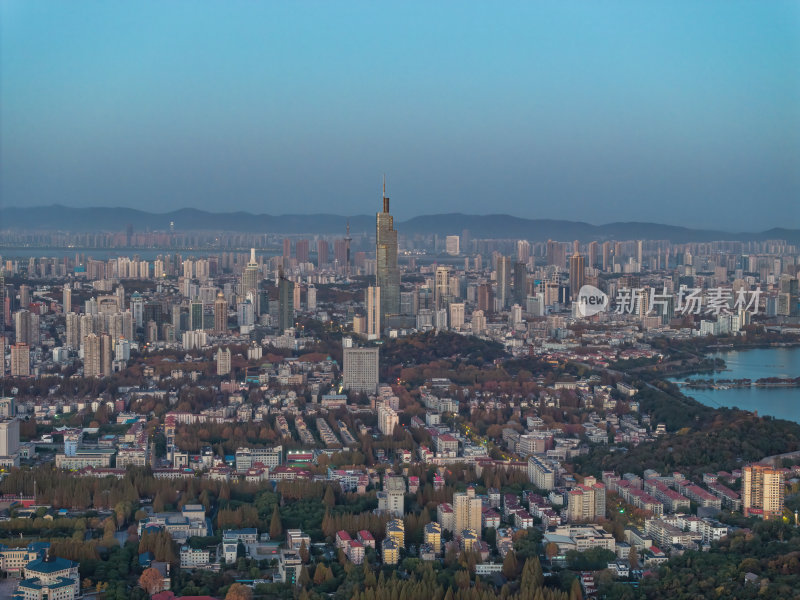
<point x="223" y="361"/>
<point x="762" y="491"/>
<point x="92" y="366"/>
<point x="503" y="281"/>
<point x="251" y="276"/>
<point x="347" y="240"/>
<point x="67" y="299"/>
<point x="441" y="287"/>
<point x="196" y="316"/>
<point x="22" y="326"/>
<point x="73" y="330"/>
<point x="373" y="304"/>
<point x="285" y="303"/>
<point x="594" y="255"/>
<point x="640" y="254"/>
<point x="520" y="282"/>
<point x="220" y="314"/>
<point x="20" y="360"/>
<point x="106" y="344"/>
<point x="322" y="253"/>
<point x="577" y="273"/>
<point x="24" y="296"/>
<point x="387" y="272"/>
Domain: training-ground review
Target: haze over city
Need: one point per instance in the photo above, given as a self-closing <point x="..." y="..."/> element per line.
<point x="375" y="301"/>
<point x="680" y="113"/>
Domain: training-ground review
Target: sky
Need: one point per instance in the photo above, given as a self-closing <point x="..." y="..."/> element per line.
<point x="674" y="112"/>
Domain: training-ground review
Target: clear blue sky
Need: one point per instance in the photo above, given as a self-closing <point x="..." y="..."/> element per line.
<point x="674" y="112"/>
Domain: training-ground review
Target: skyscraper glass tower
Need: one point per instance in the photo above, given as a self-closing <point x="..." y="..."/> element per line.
<point x="387" y="272"/>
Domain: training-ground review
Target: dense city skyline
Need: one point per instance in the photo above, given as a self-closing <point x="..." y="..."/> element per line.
<point x="683" y="113"/>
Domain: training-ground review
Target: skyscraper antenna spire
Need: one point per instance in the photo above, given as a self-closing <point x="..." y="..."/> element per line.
<point x="384" y="185"/>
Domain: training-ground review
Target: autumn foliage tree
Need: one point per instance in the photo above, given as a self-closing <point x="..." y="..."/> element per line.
<point x="237" y="591"/>
<point x="151" y="581"/>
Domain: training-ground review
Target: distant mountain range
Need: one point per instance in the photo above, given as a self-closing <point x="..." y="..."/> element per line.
<point x="63" y="218"/>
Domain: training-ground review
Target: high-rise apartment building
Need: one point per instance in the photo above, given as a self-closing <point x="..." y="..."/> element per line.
<point x="285" y="303"/>
<point x="251" y="276"/>
<point x="92" y="366"/>
<point x="24" y="296"/>
<point x="387" y="274"/>
<point x="20" y="360"/>
<point x="452" y="245"/>
<point x="196" y="316"/>
<point x="387" y="419"/>
<point x="468" y="511"/>
<point x="322" y="253"/>
<point x="587" y="501"/>
<point x="360" y="369"/>
<point x="606" y="263"/>
<point x="66" y="303"/>
<point x="441" y="288"/>
<point x="220" y="314"/>
<point x="594" y="255"/>
<point x="456" y="315"/>
<point x="503" y="282"/>
<point x="520" y="282"/>
<point x="223" y="361"/>
<point x="762" y="491"/>
<point x="577" y="273"/>
<point x="373" y="304"/>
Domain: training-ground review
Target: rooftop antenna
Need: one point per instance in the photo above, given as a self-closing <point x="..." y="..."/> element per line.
<point x="385" y="199"/>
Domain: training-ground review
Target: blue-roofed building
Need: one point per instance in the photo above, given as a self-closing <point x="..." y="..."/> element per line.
<point x="13" y="560"/>
<point x="49" y="578"/>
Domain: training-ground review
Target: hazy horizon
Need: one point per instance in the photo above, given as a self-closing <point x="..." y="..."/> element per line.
<point x="678" y="113"/>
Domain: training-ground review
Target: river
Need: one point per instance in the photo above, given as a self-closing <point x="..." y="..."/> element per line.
<point x="783" y="403"/>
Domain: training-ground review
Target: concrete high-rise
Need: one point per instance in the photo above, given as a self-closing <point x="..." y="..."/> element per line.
<point x="387" y="275"/>
<point x="373" y="304"/>
<point x="520" y="282"/>
<point x="322" y="253"/>
<point x="441" y="287"/>
<point x="577" y="273"/>
<point x="73" y="330"/>
<point x="762" y="491"/>
<point x="24" y="296"/>
<point x="285" y="303"/>
<point x="220" y="314"/>
<point x="20" y="360"/>
<point x="223" y="361"/>
<point x="360" y="369"/>
<point x="251" y="276"/>
<point x="9" y="437"/>
<point x="503" y="281"/>
<point x="92" y="366"/>
<point x="467" y="508"/>
<point x="67" y="299"/>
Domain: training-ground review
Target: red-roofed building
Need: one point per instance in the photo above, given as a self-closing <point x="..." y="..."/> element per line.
<point x="343" y="539"/>
<point x="366" y="538"/>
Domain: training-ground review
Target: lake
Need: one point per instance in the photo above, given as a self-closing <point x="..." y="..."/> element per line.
<point x="783" y="403"/>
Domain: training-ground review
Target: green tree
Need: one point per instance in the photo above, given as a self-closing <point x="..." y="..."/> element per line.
<point x="633" y="558"/>
<point x="275" y="526"/>
<point x="510" y="565"/>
